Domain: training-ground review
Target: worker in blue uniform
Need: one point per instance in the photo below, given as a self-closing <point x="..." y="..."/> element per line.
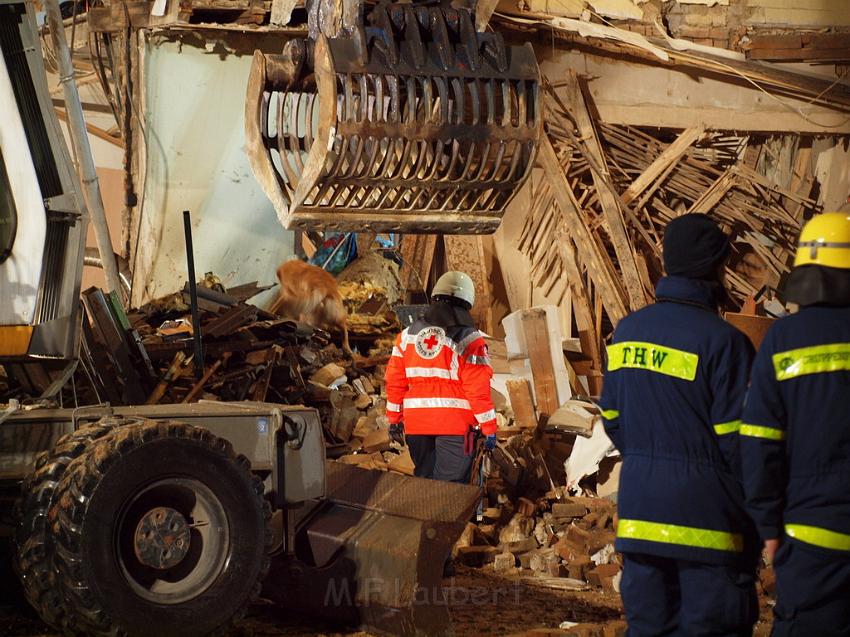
<point x="672" y="403"/>
<point x="795" y="439"/>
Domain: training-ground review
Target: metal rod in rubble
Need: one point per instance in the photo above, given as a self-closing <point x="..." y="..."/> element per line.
<point x="80" y="140"/>
<point x="198" y="360"/>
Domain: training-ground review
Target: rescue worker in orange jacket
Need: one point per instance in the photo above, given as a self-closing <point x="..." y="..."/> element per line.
<point x="438" y="384"/>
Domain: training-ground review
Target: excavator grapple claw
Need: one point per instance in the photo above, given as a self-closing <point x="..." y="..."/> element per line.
<point x="412" y="122"/>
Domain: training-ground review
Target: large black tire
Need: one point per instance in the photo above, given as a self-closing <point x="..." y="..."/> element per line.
<point x="103" y="500"/>
<point x="33" y="561"/>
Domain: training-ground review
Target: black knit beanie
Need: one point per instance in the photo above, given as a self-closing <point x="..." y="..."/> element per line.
<point x="694" y="247"/>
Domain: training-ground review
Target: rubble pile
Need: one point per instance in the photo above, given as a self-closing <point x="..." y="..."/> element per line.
<point x="370" y="288"/>
<point x="146" y="356"/>
<point x="563" y="541"/>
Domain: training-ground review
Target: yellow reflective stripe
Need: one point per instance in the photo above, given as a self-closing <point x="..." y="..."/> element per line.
<point x="682" y="535"/>
<point x="819" y="537"/>
<point x="654" y="358"/>
<point x="727" y="427"/>
<point x="757" y="431"/>
<point x="610" y="414"/>
<point x="15" y="339"/>
<point x="834" y="357"/>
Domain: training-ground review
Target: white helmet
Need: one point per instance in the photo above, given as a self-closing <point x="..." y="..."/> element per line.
<point x="455" y="284"/>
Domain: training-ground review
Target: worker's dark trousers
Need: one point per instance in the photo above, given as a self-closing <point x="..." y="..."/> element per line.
<point x="439" y="457"/>
<point x="812" y="592"/>
<point x="663" y="596"/>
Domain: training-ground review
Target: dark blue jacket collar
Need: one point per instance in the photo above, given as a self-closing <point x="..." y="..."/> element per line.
<point x="679" y="289"/>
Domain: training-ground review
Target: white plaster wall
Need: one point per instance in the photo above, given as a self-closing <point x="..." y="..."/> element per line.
<point x="195" y="160"/>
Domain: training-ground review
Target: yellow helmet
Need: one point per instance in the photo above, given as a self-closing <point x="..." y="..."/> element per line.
<point x="825" y="240"/>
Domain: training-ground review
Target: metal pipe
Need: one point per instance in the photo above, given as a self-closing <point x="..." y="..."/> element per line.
<point x="80" y="139"/>
<point x="198" y="361"/>
<point x="96" y="262"/>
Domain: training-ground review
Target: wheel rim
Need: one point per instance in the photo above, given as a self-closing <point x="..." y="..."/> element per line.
<point x="173" y="540"/>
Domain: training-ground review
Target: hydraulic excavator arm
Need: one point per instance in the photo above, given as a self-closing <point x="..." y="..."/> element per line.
<point x="408" y="121"/>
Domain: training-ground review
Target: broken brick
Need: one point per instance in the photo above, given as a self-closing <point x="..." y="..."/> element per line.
<point x="522" y="546"/>
<point x="526" y="507"/>
<point x="476" y="556"/>
<point x="568" y="510"/>
<point x="504" y="562"/>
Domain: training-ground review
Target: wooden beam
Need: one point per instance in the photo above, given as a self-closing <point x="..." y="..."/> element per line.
<point x="667" y="158"/>
<point x="113" y="18"/>
<point x="466" y="254"/>
<point x="802" y="179"/>
<point x="714" y="194"/>
<point x="588" y="328"/>
<point x="522" y="403"/>
<point x="805" y="53"/>
<point x="671" y="98"/>
<point x="608" y="196"/>
<point x="540" y="356"/>
<point x="417" y="254"/>
<point x="90" y="107"/>
<point x="575" y="228"/>
<point x="94" y="130"/>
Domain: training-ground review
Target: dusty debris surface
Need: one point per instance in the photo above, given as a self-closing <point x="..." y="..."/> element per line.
<point x="483" y="603"/>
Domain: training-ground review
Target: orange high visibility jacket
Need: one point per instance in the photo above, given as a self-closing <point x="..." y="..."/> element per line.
<point x="438" y="381"/>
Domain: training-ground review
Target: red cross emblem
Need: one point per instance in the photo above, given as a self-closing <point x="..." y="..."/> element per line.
<point x="429" y="342"/>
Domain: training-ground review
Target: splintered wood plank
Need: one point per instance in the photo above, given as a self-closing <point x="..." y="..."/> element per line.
<point x="801" y="53"/>
<point x="540" y="356"/>
<point x="522" y="403"/>
<point x="588" y="329"/>
<point x="714" y="194"/>
<point x="667" y="158"/>
<point x="608" y="196"/>
<point x="574" y="227"/>
<point x="802" y="179"/>
<point x="466" y="254"/>
<point x="417" y="253"/>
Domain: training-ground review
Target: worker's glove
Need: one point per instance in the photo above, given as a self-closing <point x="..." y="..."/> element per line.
<point x="490" y="442"/>
<point x="397" y="432"/>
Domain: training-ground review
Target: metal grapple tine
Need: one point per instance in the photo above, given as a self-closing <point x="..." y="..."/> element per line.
<point x="293" y="131"/>
<point x="443" y="153"/>
<point x="522" y="98"/>
<point x="282" y="142"/>
<point x="308" y="121"/>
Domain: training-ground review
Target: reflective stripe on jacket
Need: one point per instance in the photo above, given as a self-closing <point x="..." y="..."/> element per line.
<point x="438" y="381"/>
<point x="795" y="436"/>
<point x="672" y="403"/>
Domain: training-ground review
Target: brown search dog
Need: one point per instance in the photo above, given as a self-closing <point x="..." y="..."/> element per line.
<point x="310" y="294"/>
